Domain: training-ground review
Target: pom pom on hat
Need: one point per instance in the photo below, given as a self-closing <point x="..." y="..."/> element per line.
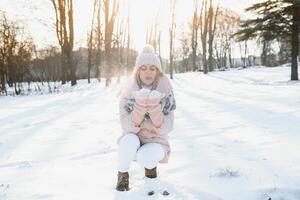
<point x="147" y="56"/>
<point x="147" y="49"/>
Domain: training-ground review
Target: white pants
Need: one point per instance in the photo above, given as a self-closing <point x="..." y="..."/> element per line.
<point x="147" y="155"/>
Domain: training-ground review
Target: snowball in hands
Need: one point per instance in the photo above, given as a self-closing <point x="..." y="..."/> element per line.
<point x="145" y="97"/>
<point x="154" y="98"/>
<point x="156" y="95"/>
<point x="141" y="94"/>
<point x="141" y="97"/>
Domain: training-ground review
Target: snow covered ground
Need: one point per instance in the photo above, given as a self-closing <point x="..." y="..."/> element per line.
<point x="236" y="137"/>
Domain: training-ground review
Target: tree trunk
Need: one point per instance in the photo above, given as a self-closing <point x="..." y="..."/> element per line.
<point x="264" y="54"/>
<point x="109" y="27"/>
<point x="99" y="42"/>
<point x="245" y="53"/>
<point x="195" y="35"/>
<point x="63" y="68"/>
<point x="65" y="35"/>
<point x="172" y="33"/>
<point x="212" y="18"/>
<point x="3" y="87"/>
<point x="90" y="50"/>
<point x="204" y="23"/>
<point x="90" y="42"/>
<point x="71" y="44"/>
<point x="210" y="37"/>
<point x="295" y="40"/>
<point x="230" y="57"/>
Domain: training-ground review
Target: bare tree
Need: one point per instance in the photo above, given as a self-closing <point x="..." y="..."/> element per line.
<point x="110" y="16"/>
<point x="129" y="39"/>
<point x="90" y="52"/>
<point x="185" y="51"/>
<point x="8" y="45"/>
<point x="194" y="38"/>
<point x="153" y="35"/>
<point x="24" y="52"/>
<point x="99" y="40"/>
<point x="172" y="36"/>
<point x="16" y="51"/>
<point x="244" y="52"/>
<point x="119" y="44"/>
<point x="90" y="40"/>
<point x="212" y="21"/>
<point x="65" y="35"/>
<point x="227" y="23"/>
<point x="208" y="19"/>
<point x="203" y="32"/>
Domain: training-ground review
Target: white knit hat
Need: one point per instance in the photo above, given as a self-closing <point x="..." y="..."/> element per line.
<point x="147" y="56"/>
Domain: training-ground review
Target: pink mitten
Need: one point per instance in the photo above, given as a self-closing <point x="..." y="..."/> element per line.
<point x="138" y="114"/>
<point x="140" y="106"/>
<point x="156" y="115"/>
<point x="154" y="108"/>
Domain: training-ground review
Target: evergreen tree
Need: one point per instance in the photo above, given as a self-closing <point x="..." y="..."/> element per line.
<point x="277" y="19"/>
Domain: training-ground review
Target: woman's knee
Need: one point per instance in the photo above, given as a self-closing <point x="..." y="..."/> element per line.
<point x="144" y="160"/>
<point x="130" y="139"/>
<point x="150" y="154"/>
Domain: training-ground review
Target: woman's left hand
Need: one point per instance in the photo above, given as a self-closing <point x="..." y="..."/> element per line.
<point x="154" y="108"/>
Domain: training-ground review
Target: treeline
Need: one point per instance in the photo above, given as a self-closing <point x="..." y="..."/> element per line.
<point x="16" y="53"/>
<point x="214" y="34"/>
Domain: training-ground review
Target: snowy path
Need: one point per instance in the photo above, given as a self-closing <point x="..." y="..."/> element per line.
<point x="236" y="137"/>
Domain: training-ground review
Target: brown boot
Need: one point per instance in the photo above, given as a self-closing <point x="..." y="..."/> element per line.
<point x="123" y="181"/>
<point x="151" y="173"/>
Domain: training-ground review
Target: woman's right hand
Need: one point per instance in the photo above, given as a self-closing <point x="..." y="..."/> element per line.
<point x="140" y="106"/>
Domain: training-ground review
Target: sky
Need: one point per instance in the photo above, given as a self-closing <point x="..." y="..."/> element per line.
<point x="38" y="17"/>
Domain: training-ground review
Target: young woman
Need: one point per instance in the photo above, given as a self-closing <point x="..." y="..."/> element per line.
<point x="146" y="113"/>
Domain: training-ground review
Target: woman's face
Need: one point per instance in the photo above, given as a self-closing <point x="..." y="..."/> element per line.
<point x="148" y="74"/>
